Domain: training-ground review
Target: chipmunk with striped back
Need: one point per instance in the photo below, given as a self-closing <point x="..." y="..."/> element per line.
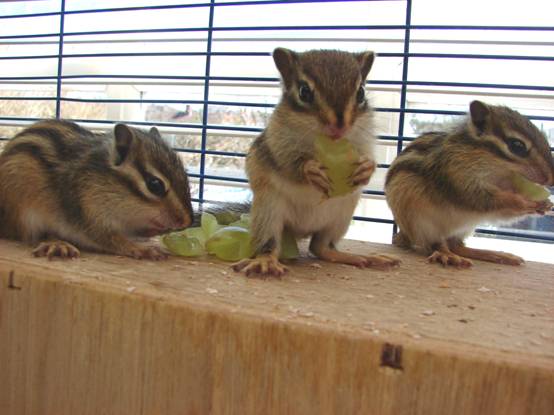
<point x="445" y="183"/>
<point x="323" y="94"/>
<point x="64" y="188"/>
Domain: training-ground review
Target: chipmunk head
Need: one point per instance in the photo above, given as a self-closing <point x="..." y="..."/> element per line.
<point x="155" y="175"/>
<point x="327" y="84"/>
<point x="513" y="138"/>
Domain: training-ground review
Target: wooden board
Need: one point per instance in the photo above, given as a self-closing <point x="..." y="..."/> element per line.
<point x="110" y="335"/>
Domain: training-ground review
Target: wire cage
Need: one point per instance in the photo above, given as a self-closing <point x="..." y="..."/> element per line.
<point x="202" y="73"/>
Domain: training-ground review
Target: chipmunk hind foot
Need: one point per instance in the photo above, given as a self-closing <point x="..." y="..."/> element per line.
<point x="265" y="264"/>
<point x="378" y="261"/>
<point x="443" y="255"/>
<point x="496" y="257"/>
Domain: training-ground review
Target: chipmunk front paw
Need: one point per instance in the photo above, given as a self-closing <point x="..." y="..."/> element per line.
<point x="147" y="252"/>
<point x="516" y="205"/>
<point x="543" y="206"/>
<point x="51" y="249"/>
<point x="314" y="172"/>
<point x="363" y="172"/>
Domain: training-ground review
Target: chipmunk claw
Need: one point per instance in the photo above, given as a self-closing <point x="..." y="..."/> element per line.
<point x="314" y="172"/>
<point x="543" y="206"/>
<point x="263" y="265"/>
<point x="51" y="249"/>
<point x="148" y="252"/>
<point x="363" y="172"/>
<point x="449" y="258"/>
<point x="380" y="261"/>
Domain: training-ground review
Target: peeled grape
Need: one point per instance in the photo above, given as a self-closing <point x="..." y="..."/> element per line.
<point x="209" y="224"/>
<point x="197" y="233"/>
<point x="230" y="243"/>
<point x="227" y="217"/>
<point x="243" y="222"/>
<point x="530" y="190"/>
<point x="179" y="244"/>
<point x="289" y="247"/>
<point x="339" y="157"/>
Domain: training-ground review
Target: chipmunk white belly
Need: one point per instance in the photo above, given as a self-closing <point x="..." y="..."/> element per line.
<point x="447" y="223"/>
<point x="306" y="210"/>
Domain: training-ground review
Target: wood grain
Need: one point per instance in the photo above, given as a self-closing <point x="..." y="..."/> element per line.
<point x="110" y="335"/>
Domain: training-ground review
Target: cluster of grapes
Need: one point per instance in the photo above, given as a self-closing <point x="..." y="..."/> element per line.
<point x="226" y="236"/>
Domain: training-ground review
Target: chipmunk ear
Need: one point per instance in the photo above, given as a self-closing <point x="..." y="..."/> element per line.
<point x="480" y="114"/>
<point x="124" y="138"/>
<point x="285" y="61"/>
<point x="365" y="59"/>
<point x="155" y="132"/>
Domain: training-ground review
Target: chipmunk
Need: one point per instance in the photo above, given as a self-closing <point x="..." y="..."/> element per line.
<point x="445" y="183"/>
<point x="65" y="188"/>
<point x="323" y="93"/>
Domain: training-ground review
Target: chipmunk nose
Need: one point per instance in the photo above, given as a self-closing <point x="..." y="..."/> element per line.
<point x="182" y="221"/>
<point x="337" y="126"/>
<point x="335" y="131"/>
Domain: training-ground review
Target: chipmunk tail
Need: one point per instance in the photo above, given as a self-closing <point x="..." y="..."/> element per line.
<point x="225" y="212"/>
<point x="401" y="240"/>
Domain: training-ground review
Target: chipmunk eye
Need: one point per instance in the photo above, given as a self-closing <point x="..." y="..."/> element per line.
<point x="155" y="186"/>
<point x="517" y="147"/>
<point x="360" y="95"/>
<point x="305" y="93"/>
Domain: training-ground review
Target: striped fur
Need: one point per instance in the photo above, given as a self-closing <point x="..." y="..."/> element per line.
<point x="283" y="196"/>
<point x="61" y="181"/>
<point x="274" y="164"/>
<point x="445" y="183"/>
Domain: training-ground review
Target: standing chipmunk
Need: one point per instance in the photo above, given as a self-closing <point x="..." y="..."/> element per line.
<point x="444" y="184"/>
<point x="323" y="93"/>
<point x="65" y="188"/>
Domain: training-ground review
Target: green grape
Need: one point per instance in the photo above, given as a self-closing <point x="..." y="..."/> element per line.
<point x="179" y="244"/>
<point x="289" y="247"/>
<point x="230" y="243"/>
<point x="197" y="233"/>
<point x="240" y="224"/>
<point x="209" y="224"/>
<point x="530" y="190"/>
<point x="243" y="222"/>
<point x="227" y="217"/>
<point x="339" y="157"/>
